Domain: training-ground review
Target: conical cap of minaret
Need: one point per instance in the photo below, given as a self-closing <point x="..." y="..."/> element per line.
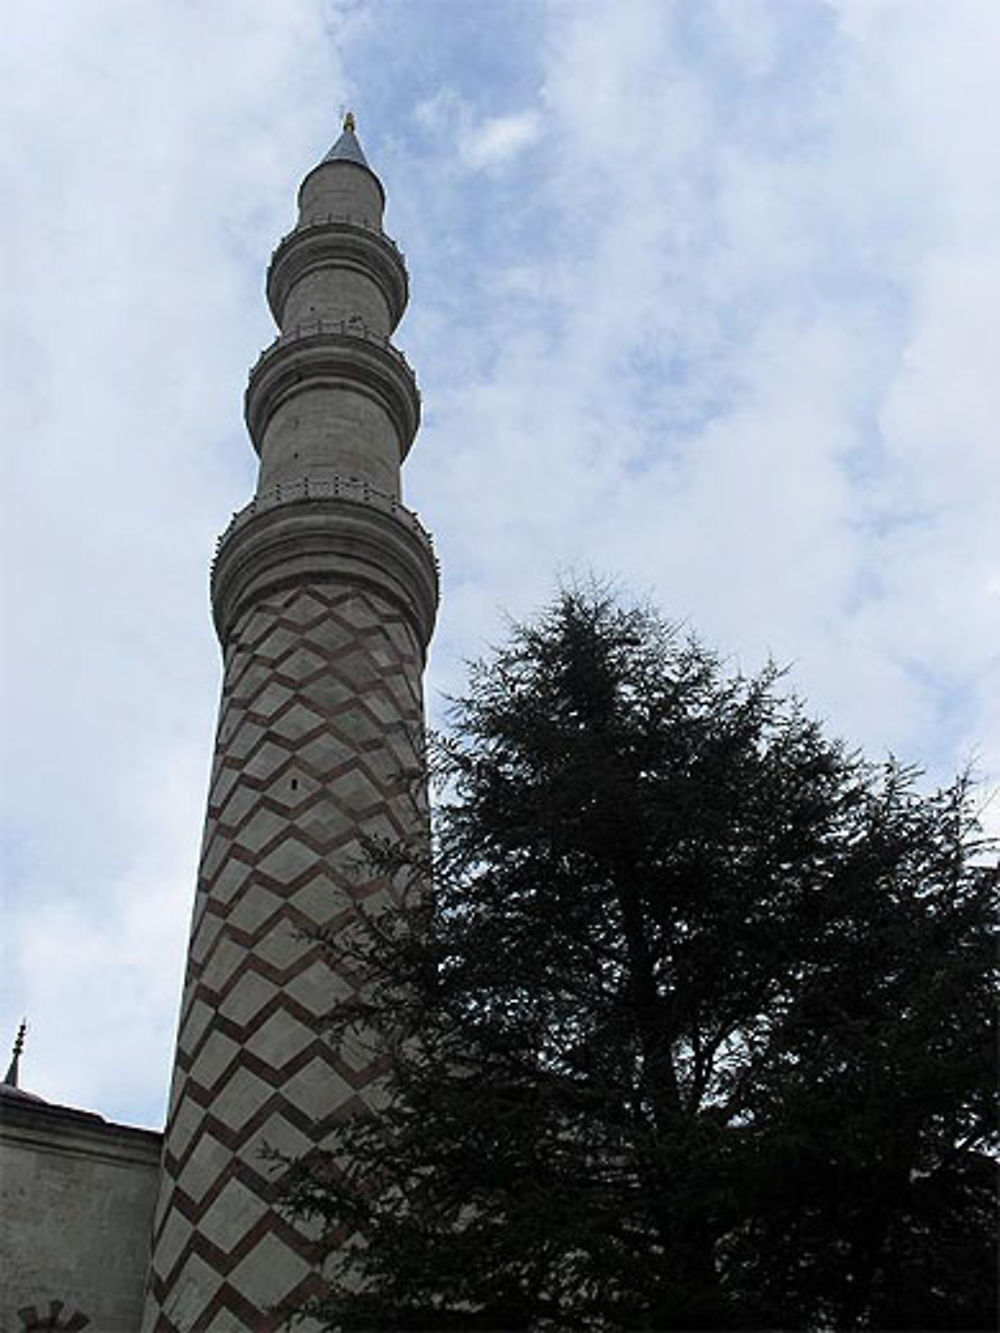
<point x="343" y="185"/>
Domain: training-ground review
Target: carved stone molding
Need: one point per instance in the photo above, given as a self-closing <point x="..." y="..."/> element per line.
<point x="343" y="540"/>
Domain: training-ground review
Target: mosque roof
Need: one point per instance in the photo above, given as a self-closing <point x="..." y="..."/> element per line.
<point x="12" y="1093"/>
<point x="19" y="1107"/>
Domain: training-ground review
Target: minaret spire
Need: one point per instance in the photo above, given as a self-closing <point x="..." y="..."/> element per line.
<point x="11" y="1076"/>
<point x="324" y="593"/>
<point x="348" y="147"/>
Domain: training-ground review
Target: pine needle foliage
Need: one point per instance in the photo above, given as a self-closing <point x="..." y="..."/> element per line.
<point x="692" y="1031"/>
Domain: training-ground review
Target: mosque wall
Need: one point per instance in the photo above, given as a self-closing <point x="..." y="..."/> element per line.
<point x="76" y="1203"/>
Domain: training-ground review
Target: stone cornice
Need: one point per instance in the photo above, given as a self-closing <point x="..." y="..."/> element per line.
<point x="63" y="1129"/>
<point x="337" y="530"/>
<point x="338" y="243"/>
<point x="325" y="353"/>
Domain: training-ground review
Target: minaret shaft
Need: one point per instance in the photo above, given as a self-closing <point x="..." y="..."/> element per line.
<point x="324" y="593"/>
<point x="330" y="431"/>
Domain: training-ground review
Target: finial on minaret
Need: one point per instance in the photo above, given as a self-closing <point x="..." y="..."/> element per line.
<point x="10" y="1078"/>
<point x="347" y="149"/>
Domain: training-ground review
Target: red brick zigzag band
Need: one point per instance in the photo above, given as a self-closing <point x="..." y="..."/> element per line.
<point x="318" y="746"/>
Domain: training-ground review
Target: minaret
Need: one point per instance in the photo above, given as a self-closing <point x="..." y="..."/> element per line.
<point x="324" y="592"/>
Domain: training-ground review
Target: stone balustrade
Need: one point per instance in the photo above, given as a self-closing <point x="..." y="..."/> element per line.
<point x="352" y="489"/>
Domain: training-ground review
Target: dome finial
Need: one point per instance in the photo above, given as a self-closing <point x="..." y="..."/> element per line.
<point x="349" y="122"/>
<point x="10" y="1078"/>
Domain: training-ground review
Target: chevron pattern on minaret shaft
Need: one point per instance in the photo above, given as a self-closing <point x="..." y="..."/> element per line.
<point x="319" y="745"/>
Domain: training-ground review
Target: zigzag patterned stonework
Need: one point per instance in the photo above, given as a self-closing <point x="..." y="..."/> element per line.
<point x="318" y="745"/>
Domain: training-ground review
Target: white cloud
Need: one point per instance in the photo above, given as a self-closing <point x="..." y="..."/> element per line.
<point x="499" y="139"/>
<point x="483" y="142"/>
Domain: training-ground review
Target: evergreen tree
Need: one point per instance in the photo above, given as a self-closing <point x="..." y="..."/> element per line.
<point x="694" y="1030"/>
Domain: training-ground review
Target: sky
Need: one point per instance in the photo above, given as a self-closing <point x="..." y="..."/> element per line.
<point x="704" y="300"/>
